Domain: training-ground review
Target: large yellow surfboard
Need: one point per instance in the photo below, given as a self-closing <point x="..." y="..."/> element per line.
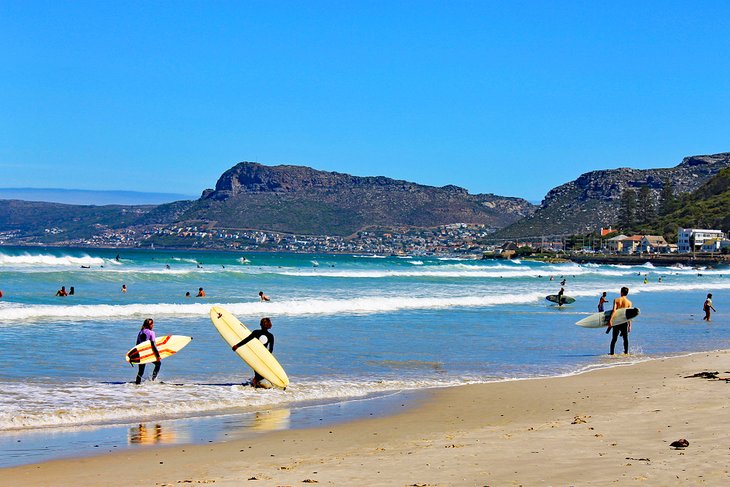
<point x="254" y="353"/>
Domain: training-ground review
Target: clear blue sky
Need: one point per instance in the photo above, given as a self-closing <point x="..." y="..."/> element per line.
<point x="505" y="97"/>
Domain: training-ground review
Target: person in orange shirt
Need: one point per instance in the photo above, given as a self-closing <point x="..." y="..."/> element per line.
<point x="623" y="329"/>
<point x="201" y="293"/>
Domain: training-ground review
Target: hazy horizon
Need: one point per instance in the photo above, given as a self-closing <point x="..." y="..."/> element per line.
<point x="73" y="196"/>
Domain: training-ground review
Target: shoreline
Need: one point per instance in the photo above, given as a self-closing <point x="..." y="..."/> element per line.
<point x="592" y="428"/>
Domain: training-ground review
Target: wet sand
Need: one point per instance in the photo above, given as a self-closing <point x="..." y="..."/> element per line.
<point x="605" y="427"/>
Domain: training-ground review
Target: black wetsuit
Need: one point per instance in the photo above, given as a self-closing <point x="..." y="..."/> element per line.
<point x="622" y="330"/>
<point x="269" y="345"/>
<point x="143" y="337"/>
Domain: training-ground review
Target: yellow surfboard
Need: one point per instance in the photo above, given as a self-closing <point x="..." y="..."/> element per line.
<point x="254" y="353"/>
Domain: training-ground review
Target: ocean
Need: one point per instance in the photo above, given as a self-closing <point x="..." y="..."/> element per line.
<point x="353" y="332"/>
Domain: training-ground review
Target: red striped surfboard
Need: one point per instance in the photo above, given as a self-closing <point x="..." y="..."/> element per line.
<point x="167" y="345"/>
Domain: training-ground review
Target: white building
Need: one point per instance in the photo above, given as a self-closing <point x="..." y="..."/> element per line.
<point x="692" y="239"/>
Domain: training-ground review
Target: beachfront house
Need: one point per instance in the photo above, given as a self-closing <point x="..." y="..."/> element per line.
<point x="629" y="245"/>
<point x="692" y="239"/>
<point x="714" y="245"/>
<point x="652" y="244"/>
<point x="614" y="244"/>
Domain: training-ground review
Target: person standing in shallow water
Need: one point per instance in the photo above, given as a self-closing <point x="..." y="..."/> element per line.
<point x="707" y="307"/>
<point x="623" y="329"/>
<point x="146" y="334"/>
<point x="602" y="301"/>
<point x="265" y="337"/>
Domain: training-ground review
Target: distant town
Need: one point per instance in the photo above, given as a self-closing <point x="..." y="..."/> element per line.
<point x="474" y="241"/>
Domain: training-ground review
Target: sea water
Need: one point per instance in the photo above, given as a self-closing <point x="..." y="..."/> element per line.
<point x="346" y="327"/>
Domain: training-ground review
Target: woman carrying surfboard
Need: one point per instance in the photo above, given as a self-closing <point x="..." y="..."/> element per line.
<point x="145" y="334"/>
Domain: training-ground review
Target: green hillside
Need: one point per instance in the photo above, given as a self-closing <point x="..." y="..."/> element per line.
<point x="706" y="207"/>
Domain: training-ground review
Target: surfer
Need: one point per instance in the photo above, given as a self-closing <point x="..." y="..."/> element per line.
<point x="265" y="337"/>
<point x="560" y="296"/>
<point x="707" y="307"/>
<point x="146" y="334"/>
<point x="62" y="292"/>
<point x="623" y="329"/>
<point x="263" y="296"/>
<point x="602" y="301"/>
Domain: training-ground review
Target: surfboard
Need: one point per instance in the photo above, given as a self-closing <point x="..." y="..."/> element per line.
<point x="554" y="299"/>
<point x="167" y="345"/>
<point x="600" y="319"/>
<point x="254" y="353"/>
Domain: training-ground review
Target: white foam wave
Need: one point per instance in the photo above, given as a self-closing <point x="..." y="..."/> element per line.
<point x="12" y="313"/>
<point x="653" y="288"/>
<point x="28" y="406"/>
<point x="451" y="271"/>
<point x="27" y="259"/>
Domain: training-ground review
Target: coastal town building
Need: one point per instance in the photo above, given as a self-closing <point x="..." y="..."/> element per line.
<point x="715" y="245"/>
<point x="692" y="239"/>
<point x="653" y="244"/>
<point x="630" y="245"/>
<point x="614" y="244"/>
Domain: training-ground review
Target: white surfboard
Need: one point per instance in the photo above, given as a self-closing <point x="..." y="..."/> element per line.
<point x="167" y="345"/>
<point x="254" y="353"/>
<point x="600" y="319"/>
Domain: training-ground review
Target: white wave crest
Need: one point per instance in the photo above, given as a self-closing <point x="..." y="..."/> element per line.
<point x="27" y="259"/>
<point x="12" y="313"/>
<point x="29" y="406"/>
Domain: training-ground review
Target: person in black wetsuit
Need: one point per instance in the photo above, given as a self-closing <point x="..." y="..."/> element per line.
<point x="265" y="337"/>
<point x="560" y="296"/>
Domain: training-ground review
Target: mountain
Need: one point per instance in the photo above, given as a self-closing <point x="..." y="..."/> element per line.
<point x="302" y="200"/>
<point x="89" y="197"/>
<point x="252" y="196"/>
<point x="49" y="222"/>
<point x="707" y="207"/>
<point x="592" y="201"/>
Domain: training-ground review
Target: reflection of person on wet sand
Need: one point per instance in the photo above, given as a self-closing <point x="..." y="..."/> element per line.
<point x="143" y="435"/>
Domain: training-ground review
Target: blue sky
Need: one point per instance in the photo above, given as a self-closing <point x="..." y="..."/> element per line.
<point x="511" y="98"/>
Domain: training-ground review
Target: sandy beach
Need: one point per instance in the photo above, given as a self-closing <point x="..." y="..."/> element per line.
<point x="603" y="427"/>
